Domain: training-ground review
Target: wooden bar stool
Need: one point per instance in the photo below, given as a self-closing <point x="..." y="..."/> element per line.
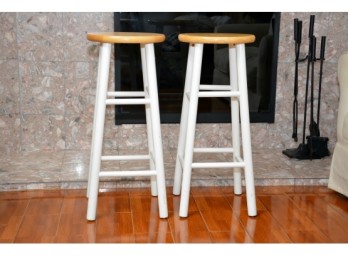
<point x="237" y="92"/>
<point x="148" y="98"/>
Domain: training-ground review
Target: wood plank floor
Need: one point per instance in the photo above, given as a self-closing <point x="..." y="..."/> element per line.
<point x="286" y="214"/>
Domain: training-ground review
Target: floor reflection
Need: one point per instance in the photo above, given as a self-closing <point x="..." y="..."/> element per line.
<point x="287" y="215"/>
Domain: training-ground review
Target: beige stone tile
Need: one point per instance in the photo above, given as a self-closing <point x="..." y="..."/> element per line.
<point x="39" y="36"/>
<point x="42" y="87"/>
<point x="79" y="97"/>
<point x="132" y="136"/>
<point x="9" y="36"/>
<point x="9" y="87"/>
<point x="78" y="131"/>
<point x="43" y="132"/>
<point x="75" y="28"/>
<point x="10" y="134"/>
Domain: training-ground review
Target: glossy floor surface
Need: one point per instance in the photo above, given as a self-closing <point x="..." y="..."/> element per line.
<point x="286" y="214"/>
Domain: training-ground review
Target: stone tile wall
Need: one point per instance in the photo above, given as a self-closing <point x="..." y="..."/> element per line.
<point x="48" y="73"/>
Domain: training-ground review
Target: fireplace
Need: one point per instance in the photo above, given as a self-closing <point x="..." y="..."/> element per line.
<point x="171" y="58"/>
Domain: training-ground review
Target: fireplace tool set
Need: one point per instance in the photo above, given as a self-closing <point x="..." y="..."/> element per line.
<point x="316" y="146"/>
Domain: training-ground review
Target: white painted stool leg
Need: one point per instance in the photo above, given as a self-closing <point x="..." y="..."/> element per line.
<point x="183" y="124"/>
<point x="237" y="172"/>
<point x="94" y="123"/>
<point x="245" y="124"/>
<point x="191" y="126"/>
<point x="148" y="119"/>
<point x="156" y="130"/>
<point x="97" y="140"/>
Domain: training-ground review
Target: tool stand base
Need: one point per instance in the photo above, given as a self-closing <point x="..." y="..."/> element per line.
<point x="316" y="148"/>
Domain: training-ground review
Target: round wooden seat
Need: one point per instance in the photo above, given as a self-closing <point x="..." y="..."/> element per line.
<point x="125" y="37"/>
<point x="216" y="38"/>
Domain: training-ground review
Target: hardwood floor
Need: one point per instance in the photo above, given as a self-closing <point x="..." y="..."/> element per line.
<point x="286" y="214"/>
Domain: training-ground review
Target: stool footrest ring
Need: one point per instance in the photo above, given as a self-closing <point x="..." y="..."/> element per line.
<point x="126" y="94"/>
<point x="218" y="94"/>
<point x="127" y="101"/>
<point x="125" y="157"/>
<point x="196" y="165"/>
<point x="128" y="173"/>
<point x="215" y="87"/>
<point x="213" y="150"/>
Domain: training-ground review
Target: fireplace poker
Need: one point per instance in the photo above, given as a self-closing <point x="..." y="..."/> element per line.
<point x="311" y="30"/>
<point x="297" y="38"/>
<point x="322" y="58"/>
<point x="313" y="126"/>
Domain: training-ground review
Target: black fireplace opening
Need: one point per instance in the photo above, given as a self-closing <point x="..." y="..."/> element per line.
<point x="171" y="59"/>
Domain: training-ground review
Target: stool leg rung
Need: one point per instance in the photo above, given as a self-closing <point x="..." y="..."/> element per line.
<point x="125" y="157"/>
<point x="126" y="94"/>
<point x="218" y="94"/>
<point x="128" y="173"/>
<point x="213" y="150"/>
<point x="128" y="101"/>
<point x="215" y="87"/>
<point x="204" y="165"/>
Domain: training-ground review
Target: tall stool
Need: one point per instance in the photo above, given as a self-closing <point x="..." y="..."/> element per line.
<point x="237" y="92"/>
<point x="148" y="97"/>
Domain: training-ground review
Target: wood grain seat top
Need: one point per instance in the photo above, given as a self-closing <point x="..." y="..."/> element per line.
<point x="216" y="38"/>
<point x="126" y="37"/>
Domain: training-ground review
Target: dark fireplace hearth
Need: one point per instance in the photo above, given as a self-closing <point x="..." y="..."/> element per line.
<point x="171" y="58"/>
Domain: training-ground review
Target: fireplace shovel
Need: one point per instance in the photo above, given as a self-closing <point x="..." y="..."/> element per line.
<point x="317" y="145"/>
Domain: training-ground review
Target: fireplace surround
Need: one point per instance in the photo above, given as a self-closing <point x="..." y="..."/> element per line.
<point x="171" y="59"/>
